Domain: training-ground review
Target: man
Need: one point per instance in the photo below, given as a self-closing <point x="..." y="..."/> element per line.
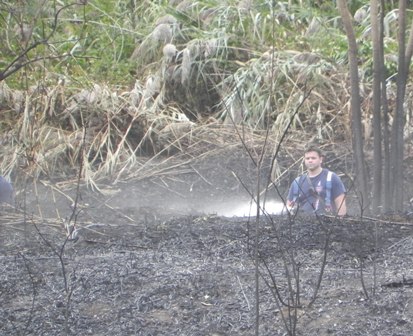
<point x="319" y="190"/>
<point x="6" y="191"/>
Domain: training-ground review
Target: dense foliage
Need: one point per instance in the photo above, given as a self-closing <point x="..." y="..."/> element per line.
<point x="94" y="41"/>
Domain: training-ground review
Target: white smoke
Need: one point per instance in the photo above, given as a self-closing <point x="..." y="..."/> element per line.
<point x="250" y="209"/>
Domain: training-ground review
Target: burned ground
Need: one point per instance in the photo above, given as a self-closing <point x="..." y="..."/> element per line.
<point x="150" y="257"/>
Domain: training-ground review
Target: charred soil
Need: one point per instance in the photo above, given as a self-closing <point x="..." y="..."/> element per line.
<point x="150" y="257"/>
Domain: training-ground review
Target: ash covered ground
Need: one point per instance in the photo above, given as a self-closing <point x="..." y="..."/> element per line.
<point x="151" y="257"/>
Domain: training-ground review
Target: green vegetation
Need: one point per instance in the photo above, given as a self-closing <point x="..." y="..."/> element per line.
<point x="95" y="41"/>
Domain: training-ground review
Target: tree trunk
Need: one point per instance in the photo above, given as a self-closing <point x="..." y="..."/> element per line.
<point x="377" y="94"/>
<point x="386" y="132"/>
<point x="357" y="136"/>
<point x="398" y="119"/>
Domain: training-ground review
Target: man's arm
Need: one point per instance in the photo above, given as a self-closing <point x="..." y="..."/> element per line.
<point x="340" y="203"/>
<point x="290" y="196"/>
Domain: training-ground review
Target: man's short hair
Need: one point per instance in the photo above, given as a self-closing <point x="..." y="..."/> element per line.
<point x="314" y="148"/>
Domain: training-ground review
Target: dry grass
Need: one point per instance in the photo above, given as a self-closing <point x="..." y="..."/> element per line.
<point x="100" y="132"/>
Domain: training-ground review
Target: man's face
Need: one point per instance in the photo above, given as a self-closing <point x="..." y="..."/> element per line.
<point x="312" y="160"/>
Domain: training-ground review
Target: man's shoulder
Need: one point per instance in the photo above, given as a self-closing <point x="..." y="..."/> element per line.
<point x="300" y="178"/>
<point x="336" y="180"/>
<point x="327" y="171"/>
